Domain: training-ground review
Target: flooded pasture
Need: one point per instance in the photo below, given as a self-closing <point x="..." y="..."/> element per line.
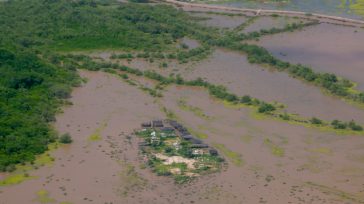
<point x="220" y="20"/>
<point x="293" y="163"/>
<point x="325" y="47"/>
<point x="232" y="70"/>
<point x="267" y="22"/>
<point x="267" y="161"/>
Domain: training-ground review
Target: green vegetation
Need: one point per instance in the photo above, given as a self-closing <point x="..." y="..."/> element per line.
<point x="234" y="157"/>
<point x="15" y="179"/>
<point x="220" y="92"/>
<point x="257" y="34"/>
<point x="32" y="90"/>
<point x="275" y="149"/>
<point x="35" y="80"/>
<point x="182" y="103"/>
<point x="169" y="155"/>
<point x="65" y="138"/>
<point x="329" y="82"/>
<point x="43" y="197"/>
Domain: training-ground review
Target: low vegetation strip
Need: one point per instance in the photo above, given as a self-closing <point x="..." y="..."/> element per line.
<point x="274" y="110"/>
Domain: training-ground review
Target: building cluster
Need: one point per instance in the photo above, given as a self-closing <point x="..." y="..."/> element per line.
<point x="181" y="131"/>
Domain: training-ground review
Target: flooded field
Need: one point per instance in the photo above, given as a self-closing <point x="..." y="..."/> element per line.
<point x="325" y="47"/>
<point x="266" y="160"/>
<point x="266" y="22"/>
<point x="220" y="21"/>
<point x="232" y="70"/>
<point x="294" y="164"/>
<point x="330" y="7"/>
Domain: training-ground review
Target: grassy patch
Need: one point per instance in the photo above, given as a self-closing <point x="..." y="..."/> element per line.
<point x="182" y="104"/>
<point x="234" y="157"/>
<point x="43" y="197"/>
<point x="15" y="179"/>
<point x="96" y="135"/>
<point x="20" y="174"/>
<point x="131" y="179"/>
<point x="198" y="134"/>
<point x="275" y="149"/>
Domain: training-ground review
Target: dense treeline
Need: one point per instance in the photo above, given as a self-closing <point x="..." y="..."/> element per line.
<point x="31" y="91"/>
<point x="86" y="24"/>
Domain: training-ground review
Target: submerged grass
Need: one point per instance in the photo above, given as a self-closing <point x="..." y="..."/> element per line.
<point x="182" y="104"/>
<point x="275" y="149"/>
<point x="234" y="157"/>
<point x="339" y="193"/>
<point x="43" y="197"/>
<point x="96" y="135"/>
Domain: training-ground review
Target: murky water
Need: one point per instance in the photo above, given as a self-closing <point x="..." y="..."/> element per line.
<point x="266" y="22"/>
<point x="220" y="21"/>
<point x="95" y="171"/>
<point x="330" y="7"/>
<point x="232" y="70"/>
<point x="325" y="47"/>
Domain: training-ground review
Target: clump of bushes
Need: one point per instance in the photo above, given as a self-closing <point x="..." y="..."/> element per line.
<point x="342" y="125"/>
<point x="266" y="108"/>
<point x="65" y="138"/>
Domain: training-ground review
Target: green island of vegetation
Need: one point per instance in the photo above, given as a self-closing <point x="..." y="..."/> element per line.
<point x="174" y="152"/>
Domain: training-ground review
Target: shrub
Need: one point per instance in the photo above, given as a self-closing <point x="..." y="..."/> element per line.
<point x="65" y="138"/>
<point x="316" y="121"/>
<point x="338" y="124"/>
<point x="246" y="99"/>
<point x="266" y="108"/>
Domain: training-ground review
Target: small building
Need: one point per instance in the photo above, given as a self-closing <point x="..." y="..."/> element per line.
<point x="167" y="129"/>
<point x="199" y="146"/>
<point x="146" y="125"/>
<point x="195" y="141"/>
<point x="213" y="152"/>
<point x="186" y="137"/>
<point x="157" y="123"/>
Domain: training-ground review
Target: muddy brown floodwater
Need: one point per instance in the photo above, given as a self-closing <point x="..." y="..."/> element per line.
<point x="325" y="47"/>
<point x="220" y="21"/>
<point x="232" y="70"/>
<point x="268" y="161"/>
<point x="267" y="22"/>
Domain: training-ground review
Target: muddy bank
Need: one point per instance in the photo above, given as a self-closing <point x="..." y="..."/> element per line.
<point x="325" y="47"/>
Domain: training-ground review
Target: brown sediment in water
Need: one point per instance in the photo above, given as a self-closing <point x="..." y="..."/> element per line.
<point x="268" y="22"/>
<point x="220" y="21"/>
<point x="325" y="47"/>
<point x="108" y="170"/>
<point x="232" y="70"/>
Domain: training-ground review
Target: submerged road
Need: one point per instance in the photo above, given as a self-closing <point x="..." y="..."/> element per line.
<point x="269" y="12"/>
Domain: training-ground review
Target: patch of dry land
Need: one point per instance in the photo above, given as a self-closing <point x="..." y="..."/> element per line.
<point x="260" y="159"/>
